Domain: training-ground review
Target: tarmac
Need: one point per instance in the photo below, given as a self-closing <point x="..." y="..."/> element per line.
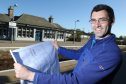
<point x="7" y="44"/>
<point x="4" y="43"/>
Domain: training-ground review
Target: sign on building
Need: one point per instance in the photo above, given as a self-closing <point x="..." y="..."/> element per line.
<point x="12" y="24"/>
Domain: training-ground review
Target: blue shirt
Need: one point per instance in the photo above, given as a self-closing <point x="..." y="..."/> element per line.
<point x="94" y="63"/>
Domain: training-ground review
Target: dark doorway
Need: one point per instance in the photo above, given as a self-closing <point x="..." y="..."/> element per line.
<point x="38" y="36"/>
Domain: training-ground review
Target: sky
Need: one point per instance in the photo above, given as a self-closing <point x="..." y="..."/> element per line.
<point x="66" y="12"/>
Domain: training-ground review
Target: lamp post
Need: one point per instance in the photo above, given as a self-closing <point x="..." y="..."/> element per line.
<point x="12" y="23"/>
<point x="75" y="30"/>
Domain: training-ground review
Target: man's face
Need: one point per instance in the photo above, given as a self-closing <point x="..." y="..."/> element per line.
<point x="100" y="23"/>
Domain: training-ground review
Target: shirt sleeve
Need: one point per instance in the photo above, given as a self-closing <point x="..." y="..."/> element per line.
<point x="70" y="53"/>
<point x="90" y="73"/>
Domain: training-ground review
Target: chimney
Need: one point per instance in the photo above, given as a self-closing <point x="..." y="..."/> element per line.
<point x="51" y="19"/>
<point x="11" y="12"/>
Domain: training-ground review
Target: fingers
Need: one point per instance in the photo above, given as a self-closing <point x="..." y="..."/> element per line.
<point x="22" y="72"/>
<point x="19" y="70"/>
<point x="55" y="44"/>
<point x="17" y="67"/>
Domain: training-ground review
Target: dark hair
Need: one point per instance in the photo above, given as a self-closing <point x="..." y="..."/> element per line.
<point x="107" y="8"/>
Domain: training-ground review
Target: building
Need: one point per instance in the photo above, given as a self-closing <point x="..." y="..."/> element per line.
<point x="29" y="28"/>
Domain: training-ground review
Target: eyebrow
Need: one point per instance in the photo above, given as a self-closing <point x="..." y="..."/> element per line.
<point x="100" y="18"/>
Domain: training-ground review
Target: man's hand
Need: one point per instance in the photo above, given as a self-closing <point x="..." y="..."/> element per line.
<point x="23" y="73"/>
<point x="55" y="44"/>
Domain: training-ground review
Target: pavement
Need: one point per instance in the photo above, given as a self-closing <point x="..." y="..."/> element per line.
<point x="4" y="43"/>
<point x="8" y="45"/>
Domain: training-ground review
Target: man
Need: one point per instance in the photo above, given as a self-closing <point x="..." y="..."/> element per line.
<point x="97" y="59"/>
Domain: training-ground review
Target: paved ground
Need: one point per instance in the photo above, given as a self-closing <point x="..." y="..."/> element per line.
<point x="4" y="43"/>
